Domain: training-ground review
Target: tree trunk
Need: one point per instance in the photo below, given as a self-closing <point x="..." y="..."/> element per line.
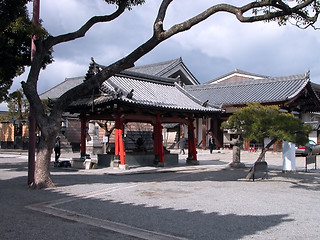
<point x="264" y="150"/>
<point x="43" y="158"/>
<point x="261" y="156"/>
<point x="42" y="171"/>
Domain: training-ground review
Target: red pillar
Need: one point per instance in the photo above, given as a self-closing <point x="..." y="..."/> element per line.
<point x="119" y="143"/>
<point x="157" y="140"/>
<point x="116" y="140"/>
<point x="160" y="143"/>
<point x="83" y="136"/>
<point x="192" y="151"/>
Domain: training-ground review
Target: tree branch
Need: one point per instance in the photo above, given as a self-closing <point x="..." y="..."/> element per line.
<point x="44" y="46"/>
<point x="281" y="9"/>
<point x="159" y="35"/>
<point x="52" y="41"/>
<point x="158" y="24"/>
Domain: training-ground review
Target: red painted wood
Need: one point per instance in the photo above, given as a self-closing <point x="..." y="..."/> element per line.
<point x="192" y="150"/>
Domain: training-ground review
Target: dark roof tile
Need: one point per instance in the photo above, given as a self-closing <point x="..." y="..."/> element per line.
<point x="260" y="90"/>
<point x="154" y="93"/>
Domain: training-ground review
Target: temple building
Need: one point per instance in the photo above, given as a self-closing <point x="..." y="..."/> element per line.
<point x="148" y="109"/>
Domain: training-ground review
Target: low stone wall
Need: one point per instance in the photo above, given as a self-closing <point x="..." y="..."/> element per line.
<point x="138" y="159"/>
<point x="77" y="163"/>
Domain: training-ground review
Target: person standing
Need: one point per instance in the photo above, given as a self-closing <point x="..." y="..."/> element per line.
<point x="57" y="149"/>
<point x="212" y="143"/>
<point x="181" y="143"/>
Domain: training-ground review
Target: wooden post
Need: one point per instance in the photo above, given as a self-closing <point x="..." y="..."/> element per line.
<point x="204" y="133"/>
<point x="116" y="141"/>
<point x="119" y="143"/>
<point x="217" y="133"/>
<point x="83" y="135"/>
<point x="192" y="151"/>
<point x="160" y="143"/>
<point x="157" y="141"/>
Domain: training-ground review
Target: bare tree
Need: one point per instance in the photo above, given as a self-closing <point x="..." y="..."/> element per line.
<point x="303" y="12"/>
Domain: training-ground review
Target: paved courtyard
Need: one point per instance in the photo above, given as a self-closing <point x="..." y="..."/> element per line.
<point x="209" y="201"/>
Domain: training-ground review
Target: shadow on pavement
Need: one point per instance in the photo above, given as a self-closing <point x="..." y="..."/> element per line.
<point x="182" y="222"/>
<point x="17" y="222"/>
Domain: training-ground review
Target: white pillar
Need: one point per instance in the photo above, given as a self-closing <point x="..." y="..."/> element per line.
<point x="288" y="156"/>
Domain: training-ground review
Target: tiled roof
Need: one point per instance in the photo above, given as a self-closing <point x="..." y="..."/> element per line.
<point x="61" y="88"/>
<point x="156" y="69"/>
<point x="267" y="90"/>
<point x="237" y="75"/>
<point x="148" y="91"/>
<point x="173" y="68"/>
<point x="162" y="69"/>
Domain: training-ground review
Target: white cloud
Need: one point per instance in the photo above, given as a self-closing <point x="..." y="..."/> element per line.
<point x="220" y="43"/>
<point x="57" y="72"/>
<point x="53" y="74"/>
<point x="61" y="16"/>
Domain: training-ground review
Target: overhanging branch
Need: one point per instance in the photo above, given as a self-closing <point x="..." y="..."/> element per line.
<point x="52" y="41"/>
<point x="279" y="9"/>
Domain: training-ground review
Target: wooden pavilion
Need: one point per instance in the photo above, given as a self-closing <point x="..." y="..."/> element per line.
<point x="137" y="97"/>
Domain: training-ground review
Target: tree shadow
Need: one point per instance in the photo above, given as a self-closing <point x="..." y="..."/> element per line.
<point x="15" y="166"/>
<point x="185" y="222"/>
<point x="300" y="179"/>
<point x="182" y="222"/>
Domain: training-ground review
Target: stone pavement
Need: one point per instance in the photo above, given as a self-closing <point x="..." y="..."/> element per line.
<point x="209" y="201"/>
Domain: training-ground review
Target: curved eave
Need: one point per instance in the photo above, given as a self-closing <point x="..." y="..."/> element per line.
<point x="169" y="107"/>
<point x="86" y="105"/>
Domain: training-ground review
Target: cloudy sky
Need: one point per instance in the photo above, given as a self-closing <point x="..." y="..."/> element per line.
<point x="210" y="49"/>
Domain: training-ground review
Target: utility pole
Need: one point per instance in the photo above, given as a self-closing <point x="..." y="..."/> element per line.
<point x="32" y="119"/>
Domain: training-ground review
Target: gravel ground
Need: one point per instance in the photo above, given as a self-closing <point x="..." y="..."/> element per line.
<point x="209" y="201"/>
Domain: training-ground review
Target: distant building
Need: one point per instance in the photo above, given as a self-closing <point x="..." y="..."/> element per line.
<point x="295" y="93"/>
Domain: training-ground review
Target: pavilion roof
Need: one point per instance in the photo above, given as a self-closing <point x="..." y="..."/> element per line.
<point x="146" y="92"/>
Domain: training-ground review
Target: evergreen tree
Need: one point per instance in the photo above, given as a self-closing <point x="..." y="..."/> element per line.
<point x="256" y="123"/>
